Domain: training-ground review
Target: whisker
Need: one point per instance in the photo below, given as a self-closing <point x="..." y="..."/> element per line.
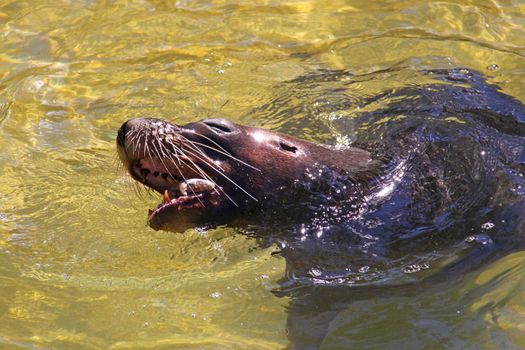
<point x="134" y="140"/>
<point x="206" y="176"/>
<point x="226" y="154"/>
<point x="208" y="162"/>
<point x="146" y="147"/>
<point x="204" y="160"/>
<point x="206" y="138"/>
<point x="221" y="150"/>
<point x="230" y="180"/>
<point x="194" y="151"/>
<point x="178" y="169"/>
<point x="197" y="169"/>
<point x="130" y="135"/>
<point x="227" y="178"/>
<point x="116" y="162"/>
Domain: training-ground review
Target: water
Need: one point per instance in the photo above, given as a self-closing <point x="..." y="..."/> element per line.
<point x="78" y="266"/>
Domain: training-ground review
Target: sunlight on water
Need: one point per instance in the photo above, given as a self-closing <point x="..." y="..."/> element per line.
<point x="79" y="268"/>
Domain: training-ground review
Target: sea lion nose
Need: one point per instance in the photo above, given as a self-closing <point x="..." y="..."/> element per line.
<point x="220" y="126"/>
<point x="121" y="135"/>
<point x="129" y="125"/>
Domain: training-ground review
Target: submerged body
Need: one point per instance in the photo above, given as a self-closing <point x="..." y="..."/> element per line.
<point x="437" y="175"/>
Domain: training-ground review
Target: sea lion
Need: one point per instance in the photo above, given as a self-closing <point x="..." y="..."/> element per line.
<point x="428" y="163"/>
<point x="435" y="173"/>
<point x="215" y="168"/>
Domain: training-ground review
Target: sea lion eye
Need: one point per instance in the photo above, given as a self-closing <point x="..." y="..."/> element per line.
<point x="287" y="147"/>
<point x="217" y="126"/>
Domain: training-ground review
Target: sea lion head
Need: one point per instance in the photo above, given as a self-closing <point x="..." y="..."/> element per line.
<point x="215" y="168"/>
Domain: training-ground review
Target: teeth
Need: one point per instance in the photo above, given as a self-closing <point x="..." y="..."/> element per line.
<point x="183" y="186"/>
<point x="200" y="185"/>
<point x="166" y="197"/>
<point x="195" y="186"/>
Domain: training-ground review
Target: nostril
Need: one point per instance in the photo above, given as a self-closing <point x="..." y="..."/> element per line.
<point x="121" y="135"/>
<point x="287" y="147"/>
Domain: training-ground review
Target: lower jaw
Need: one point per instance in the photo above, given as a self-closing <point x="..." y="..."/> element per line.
<point x="183" y="212"/>
<point x="175" y="219"/>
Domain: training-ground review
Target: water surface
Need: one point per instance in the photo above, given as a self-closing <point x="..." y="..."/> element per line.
<point x="80" y="269"/>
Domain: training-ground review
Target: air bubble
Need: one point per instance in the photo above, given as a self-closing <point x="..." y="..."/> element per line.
<point x="314" y="272"/>
<point x="481" y="238"/>
<point x="412" y="268"/>
<point x="364" y="269"/>
<point x="487" y="226"/>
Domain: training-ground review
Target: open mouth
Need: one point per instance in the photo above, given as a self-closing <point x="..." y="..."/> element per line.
<point x="179" y="192"/>
<point x="188" y="194"/>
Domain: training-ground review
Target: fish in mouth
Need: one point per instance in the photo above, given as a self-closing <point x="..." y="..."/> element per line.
<point x="213" y="168"/>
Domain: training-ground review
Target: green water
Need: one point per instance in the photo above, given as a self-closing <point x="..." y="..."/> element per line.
<point x="79" y="268"/>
